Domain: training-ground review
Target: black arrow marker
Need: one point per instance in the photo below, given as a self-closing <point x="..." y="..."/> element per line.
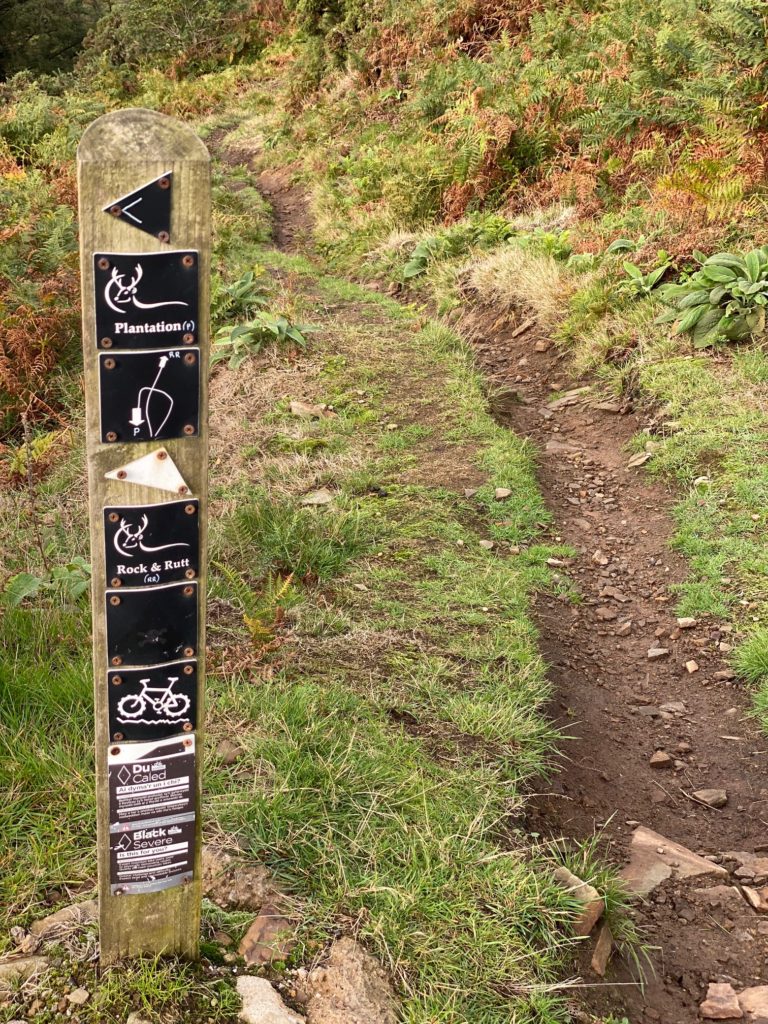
<point x="148" y="208"/>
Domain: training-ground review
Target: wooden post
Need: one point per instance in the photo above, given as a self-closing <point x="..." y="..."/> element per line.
<point x="144" y="188"/>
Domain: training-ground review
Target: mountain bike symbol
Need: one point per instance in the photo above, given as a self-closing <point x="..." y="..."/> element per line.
<point x="157" y="701"/>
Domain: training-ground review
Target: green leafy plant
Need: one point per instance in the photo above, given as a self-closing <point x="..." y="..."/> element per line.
<point x="723" y="301"/>
<point x="69" y="581"/>
<point x="643" y="284"/>
<point x="485" y="231"/>
<point x="236" y="344"/>
<point x="240" y="298"/>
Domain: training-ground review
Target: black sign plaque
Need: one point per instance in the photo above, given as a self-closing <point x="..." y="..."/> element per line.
<point x="152" y="544"/>
<point x="146" y="300"/>
<point x="150" y="703"/>
<point x="149" y="396"/>
<point x="151" y="815"/>
<point x="151" y="626"/>
<point x="147" y="208"/>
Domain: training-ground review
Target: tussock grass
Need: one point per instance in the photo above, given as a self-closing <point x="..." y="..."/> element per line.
<point x="514" y="279"/>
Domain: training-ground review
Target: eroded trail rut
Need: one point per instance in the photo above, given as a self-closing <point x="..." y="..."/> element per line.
<point x="620" y="707"/>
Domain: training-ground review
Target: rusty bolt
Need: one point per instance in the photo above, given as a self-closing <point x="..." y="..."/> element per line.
<point x="188" y="338"/>
<point x="103" y="263"/>
<point x="118" y="736"/>
<point x="190" y="574"/>
<point x="163" y="236"/>
<point x="115" y="750"/>
<point x="113" y="517"/>
<point x="187" y="743"/>
<point x="188" y="652"/>
<point x="109" y="364"/>
<point x="190" y="510"/>
<point x="162" y="455"/>
<point x="187" y="727"/>
<point x="183" y="489"/>
<point x="111" y="435"/>
<point x="117" y="680"/>
<point x="115" y="210"/>
<point x="116" y="582"/>
<point x="164" y="183"/>
<point x="189" y="429"/>
<point x="189" y="591"/>
<point x="106" y="343"/>
<point x="188" y="260"/>
<point x="190" y="358"/>
<point x="117" y="660"/>
<point x="188" y="670"/>
<point x="121" y="474"/>
<point x="114" y="600"/>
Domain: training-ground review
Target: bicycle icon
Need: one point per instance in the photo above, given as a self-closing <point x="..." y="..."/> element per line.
<point x="157" y="701"/>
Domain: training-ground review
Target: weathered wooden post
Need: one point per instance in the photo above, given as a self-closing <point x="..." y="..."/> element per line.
<point x="144" y="186"/>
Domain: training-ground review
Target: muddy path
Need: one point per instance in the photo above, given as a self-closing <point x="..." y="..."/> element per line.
<point x="645" y="733"/>
<point x="647" y="730"/>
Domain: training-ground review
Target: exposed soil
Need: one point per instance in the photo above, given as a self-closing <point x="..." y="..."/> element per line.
<point x="615" y="704"/>
<point x="618" y="706"/>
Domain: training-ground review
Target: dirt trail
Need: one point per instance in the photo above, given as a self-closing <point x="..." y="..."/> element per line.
<point x="618" y="706"/>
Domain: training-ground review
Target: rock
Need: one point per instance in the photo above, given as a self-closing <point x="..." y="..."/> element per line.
<point x="501" y="492"/>
<point x="262" y="1005"/>
<point x="228" y="751"/>
<point x="712" y="797"/>
<point x="320" y="497"/>
<point x="754" y="1003"/>
<point x="18" y="968"/>
<point x="750" y="866"/>
<point x="79" y="996"/>
<point x="587" y="895"/>
<point x="615" y="594"/>
<point x="691" y="667"/>
<point x="606" y="614"/>
<point x="136" y="1018"/>
<point x="754" y="899"/>
<point x="687" y="623"/>
<point x="721" y="1004"/>
<point x="660" y="759"/>
<point x="674" y="707"/>
<point x="393" y="426"/>
<point x="555" y="447"/>
<point x="223" y="938"/>
<point x="487" y="544"/>
<point x="603" y="950"/>
<point x="350" y="987"/>
<point x="624" y="629"/>
<point x="233" y="884"/>
<point x="599" y="558"/>
<point x="470" y="492"/>
<point x="639" y="460"/>
<point x="270" y="937"/>
<point x="657" y="652"/>
<point x="653" y="859"/>
<point x="66" y="920"/>
<point x="543" y="345"/>
<point x="306" y="411"/>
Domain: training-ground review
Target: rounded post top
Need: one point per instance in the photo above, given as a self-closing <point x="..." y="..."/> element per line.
<point x="139" y="134"/>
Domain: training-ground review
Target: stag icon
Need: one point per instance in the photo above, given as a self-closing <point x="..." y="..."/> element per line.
<point x="130" y="538"/>
<point x="118" y="295"/>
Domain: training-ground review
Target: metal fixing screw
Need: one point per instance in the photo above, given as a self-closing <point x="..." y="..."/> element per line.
<point x="121" y="474"/>
<point x="187" y="743"/>
<point x="117" y="660"/>
<point x="187" y="727"/>
<point x="113" y="517"/>
<point x="188" y="429"/>
<point x="117" y="680"/>
<point x="111" y="435"/>
<point x="188" y="591"/>
<point x="188" y="670"/>
<point x="188" y="260"/>
<point x="189" y="509"/>
<point x="188" y="338"/>
<point x="105" y="342"/>
<point x="190" y="574"/>
<point x="164" y="183"/>
<point x="163" y="236"/>
<point x="162" y="455"/>
<point x="115" y="210"/>
<point x="183" y="489"/>
<point x="115" y="600"/>
<point x="115" y="750"/>
<point x="188" y="652"/>
<point x="103" y="263"/>
<point x="190" y="358"/>
<point x="109" y="364"/>
<point x="118" y="736"/>
<point x="116" y="582"/>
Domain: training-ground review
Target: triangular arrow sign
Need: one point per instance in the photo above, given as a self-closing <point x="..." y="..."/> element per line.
<point x="148" y="208"/>
<point x="154" y="470"/>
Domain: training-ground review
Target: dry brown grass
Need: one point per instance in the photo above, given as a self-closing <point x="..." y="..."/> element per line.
<point x="516" y="280"/>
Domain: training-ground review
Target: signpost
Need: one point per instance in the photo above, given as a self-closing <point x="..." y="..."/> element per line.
<point x="144" y="186"/>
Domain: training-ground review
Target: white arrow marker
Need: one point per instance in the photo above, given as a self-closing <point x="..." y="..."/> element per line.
<point x="154" y="470"/>
<point x="136" y="419"/>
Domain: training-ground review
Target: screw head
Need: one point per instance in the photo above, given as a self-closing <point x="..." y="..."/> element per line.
<point x="187" y="727"/>
<point x="183" y="489"/>
<point x="115" y="210"/>
<point x="114" y="600"/>
<point x="188" y="338"/>
<point x="121" y="474"/>
<point x="188" y="652"/>
<point x="189" y="509"/>
<point x="106" y="343"/>
<point x="190" y="358"/>
<point x="117" y="680"/>
<point x="103" y="263"/>
<point x="118" y="736"/>
<point x="190" y="574"/>
<point x="188" y="260"/>
<point x="116" y="582"/>
<point x="163" y="236"/>
<point x="187" y="743"/>
<point x="162" y="454"/>
<point x="109" y="364"/>
<point x="188" y="591"/>
<point x="113" y="517"/>
<point x="164" y="183"/>
<point x="189" y="429"/>
<point x="117" y="660"/>
<point x="188" y="670"/>
<point x="115" y="750"/>
<point x="111" y="435"/>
